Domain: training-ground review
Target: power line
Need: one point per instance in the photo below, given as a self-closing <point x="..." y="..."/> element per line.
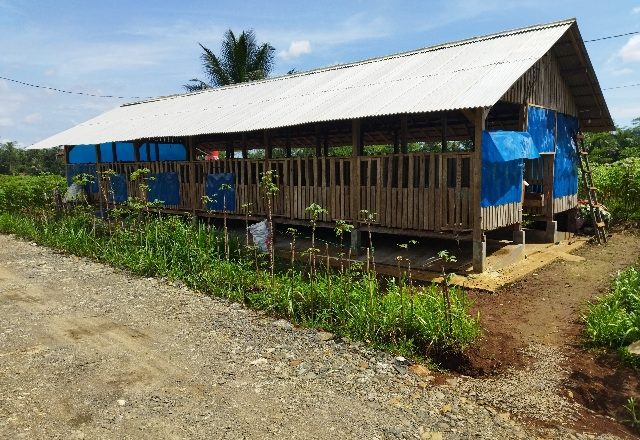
<point x="622" y="87"/>
<point x="69" y="92"/>
<point x="150" y="97"/>
<point x="612" y="36"/>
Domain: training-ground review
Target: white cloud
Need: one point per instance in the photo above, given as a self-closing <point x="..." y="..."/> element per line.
<point x="636" y="10"/>
<point x="6" y="121"/>
<point x="621" y="72"/>
<point x="295" y="50"/>
<point x="630" y="52"/>
<point x="33" y="118"/>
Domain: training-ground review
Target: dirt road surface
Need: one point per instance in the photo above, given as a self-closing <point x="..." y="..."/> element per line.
<point x="87" y="351"/>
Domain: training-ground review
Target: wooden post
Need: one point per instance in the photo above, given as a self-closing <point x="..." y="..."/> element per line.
<point x="318" y="141"/>
<point x="229" y="149"/>
<point x="192" y="178"/>
<point x="245" y="152"/>
<point x="266" y="143"/>
<point x="479" y="239"/>
<point x="547" y="188"/>
<point x="444" y="133"/>
<point x="136" y="151"/>
<point x="99" y="154"/>
<point x="396" y="142"/>
<point x="114" y="151"/>
<point x="403" y="133"/>
<point x="287" y="144"/>
<point x="356" y="144"/>
<point x="325" y="144"/>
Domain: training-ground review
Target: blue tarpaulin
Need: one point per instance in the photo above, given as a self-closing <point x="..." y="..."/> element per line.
<point x="541" y="125"/>
<point x="164" y="151"/>
<point x="503" y="146"/>
<point x="82" y="154"/>
<point x="213" y="191"/>
<point x="164" y="187"/>
<point x="565" y="166"/>
<point x="119" y="188"/>
<point x="503" y="154"/>
<point x="83" y="168"/>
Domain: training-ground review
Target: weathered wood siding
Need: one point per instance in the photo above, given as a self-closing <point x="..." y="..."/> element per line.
<point x="544" y="86"/>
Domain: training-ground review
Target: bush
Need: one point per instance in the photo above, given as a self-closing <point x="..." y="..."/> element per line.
<point x="28" y="192"/>
<point x="613" y="321"/>
<point x="618" y="186"/>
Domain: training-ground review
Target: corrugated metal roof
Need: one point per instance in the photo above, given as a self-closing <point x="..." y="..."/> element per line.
<point x="464" y="74"/>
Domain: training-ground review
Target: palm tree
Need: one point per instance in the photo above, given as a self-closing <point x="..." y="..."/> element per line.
<point x="241" y="59"/>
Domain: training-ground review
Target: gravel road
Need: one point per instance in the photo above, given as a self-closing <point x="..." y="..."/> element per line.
<point x="87" y="351"/>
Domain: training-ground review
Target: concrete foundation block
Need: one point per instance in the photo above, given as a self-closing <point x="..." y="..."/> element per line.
<point x="550" y="232"/>
<point x="480" y="255"/>
<point x="518" y="236"/>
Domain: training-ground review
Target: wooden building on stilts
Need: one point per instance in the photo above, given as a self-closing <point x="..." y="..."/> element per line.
<point x="464" y="124"/>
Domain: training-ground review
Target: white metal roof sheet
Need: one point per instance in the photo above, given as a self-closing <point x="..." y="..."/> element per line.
<point x="466" y="74"/>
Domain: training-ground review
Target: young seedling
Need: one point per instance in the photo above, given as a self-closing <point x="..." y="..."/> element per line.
<point x="341" y="228"/>
<point x="632" y="410"/>
<point x="270" y="189"/>
<point x="246" y="208"/>
<point x="446" y="281"/>
<point x="369" y="218"/>
<point x="315" y="211"/>
<point x="225" y="187"/>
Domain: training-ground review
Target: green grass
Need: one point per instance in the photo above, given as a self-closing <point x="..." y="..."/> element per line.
<point x="613" y="321"/>
<point x="352" y="302"/>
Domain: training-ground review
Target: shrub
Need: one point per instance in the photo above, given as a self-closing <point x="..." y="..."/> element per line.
<point x="28" y="192"/>
<point x="613" y="321"/>
<point x="618" y="185"/>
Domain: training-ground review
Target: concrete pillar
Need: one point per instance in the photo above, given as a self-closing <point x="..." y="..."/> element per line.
<point x="356" y="240"/>
<point x="480" y="255"/>
<point x="550" y="232"/>
<point x="518" y="236"/>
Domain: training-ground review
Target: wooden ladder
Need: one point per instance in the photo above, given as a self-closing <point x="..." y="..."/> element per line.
<point x="587" y="179"/>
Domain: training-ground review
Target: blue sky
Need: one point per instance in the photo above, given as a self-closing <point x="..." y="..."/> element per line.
<point x="149" y="48"/>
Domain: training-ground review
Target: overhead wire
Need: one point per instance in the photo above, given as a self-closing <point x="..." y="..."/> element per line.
<point x="93" y="95"/>
<point x="70" y="92"/>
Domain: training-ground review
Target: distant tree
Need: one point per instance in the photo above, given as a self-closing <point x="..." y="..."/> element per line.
<point x="241" y="59"/>
<point x="612" y="146"/>
<point x="16" y="160"/>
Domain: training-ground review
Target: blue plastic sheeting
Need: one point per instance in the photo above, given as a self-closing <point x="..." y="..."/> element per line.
<point x="124" y="152"/>
<point x="501" y="183"/>
<point x="143" y="153"/>
<point x="172" y="152"/>
<point x="106" y="152"/>
<point x="83" y="168"/>
<point x="565" y="166"/>
<point x="119" y="188"/>
<point x="164" y="151"/>
<point x="82" y="154"/>
<point x="542" y="127"/>
<point x="164" y="187"/>
<point x="213" y="191"/>
<point x="503" y="146"/>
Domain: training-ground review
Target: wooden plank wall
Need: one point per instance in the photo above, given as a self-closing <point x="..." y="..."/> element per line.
<point x="561" y="204"/>
<point x="494" y="217"/>
<point x="543" y="85"/>
<point x="414" y="191"/>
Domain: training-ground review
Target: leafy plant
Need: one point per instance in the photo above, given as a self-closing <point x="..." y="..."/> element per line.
<point x="632" y="410"/>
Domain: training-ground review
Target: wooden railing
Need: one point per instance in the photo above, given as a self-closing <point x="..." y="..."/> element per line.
<point x="416" y="191"/>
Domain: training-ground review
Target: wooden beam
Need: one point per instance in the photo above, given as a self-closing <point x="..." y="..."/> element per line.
<point x="287" y="145"/>
<point x="547" y="183"/>
<point x="396" y="142"/>
<point x="67" y="150"/>
<point x="356" y="144"/>
<point x="266" y="143"/>
<point x="479" y="240"/>
<point x="229" y="149"/>
<point x="136" y="151"/>
<point x="318" y="141"/>
<point x="404" y="135"/>
<point x="245" y="152"/>
<point x="98" y="154"/>
<point x="114" y="151"/>
<point x="444" y="133"/>
<point x="325" y="144"/>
